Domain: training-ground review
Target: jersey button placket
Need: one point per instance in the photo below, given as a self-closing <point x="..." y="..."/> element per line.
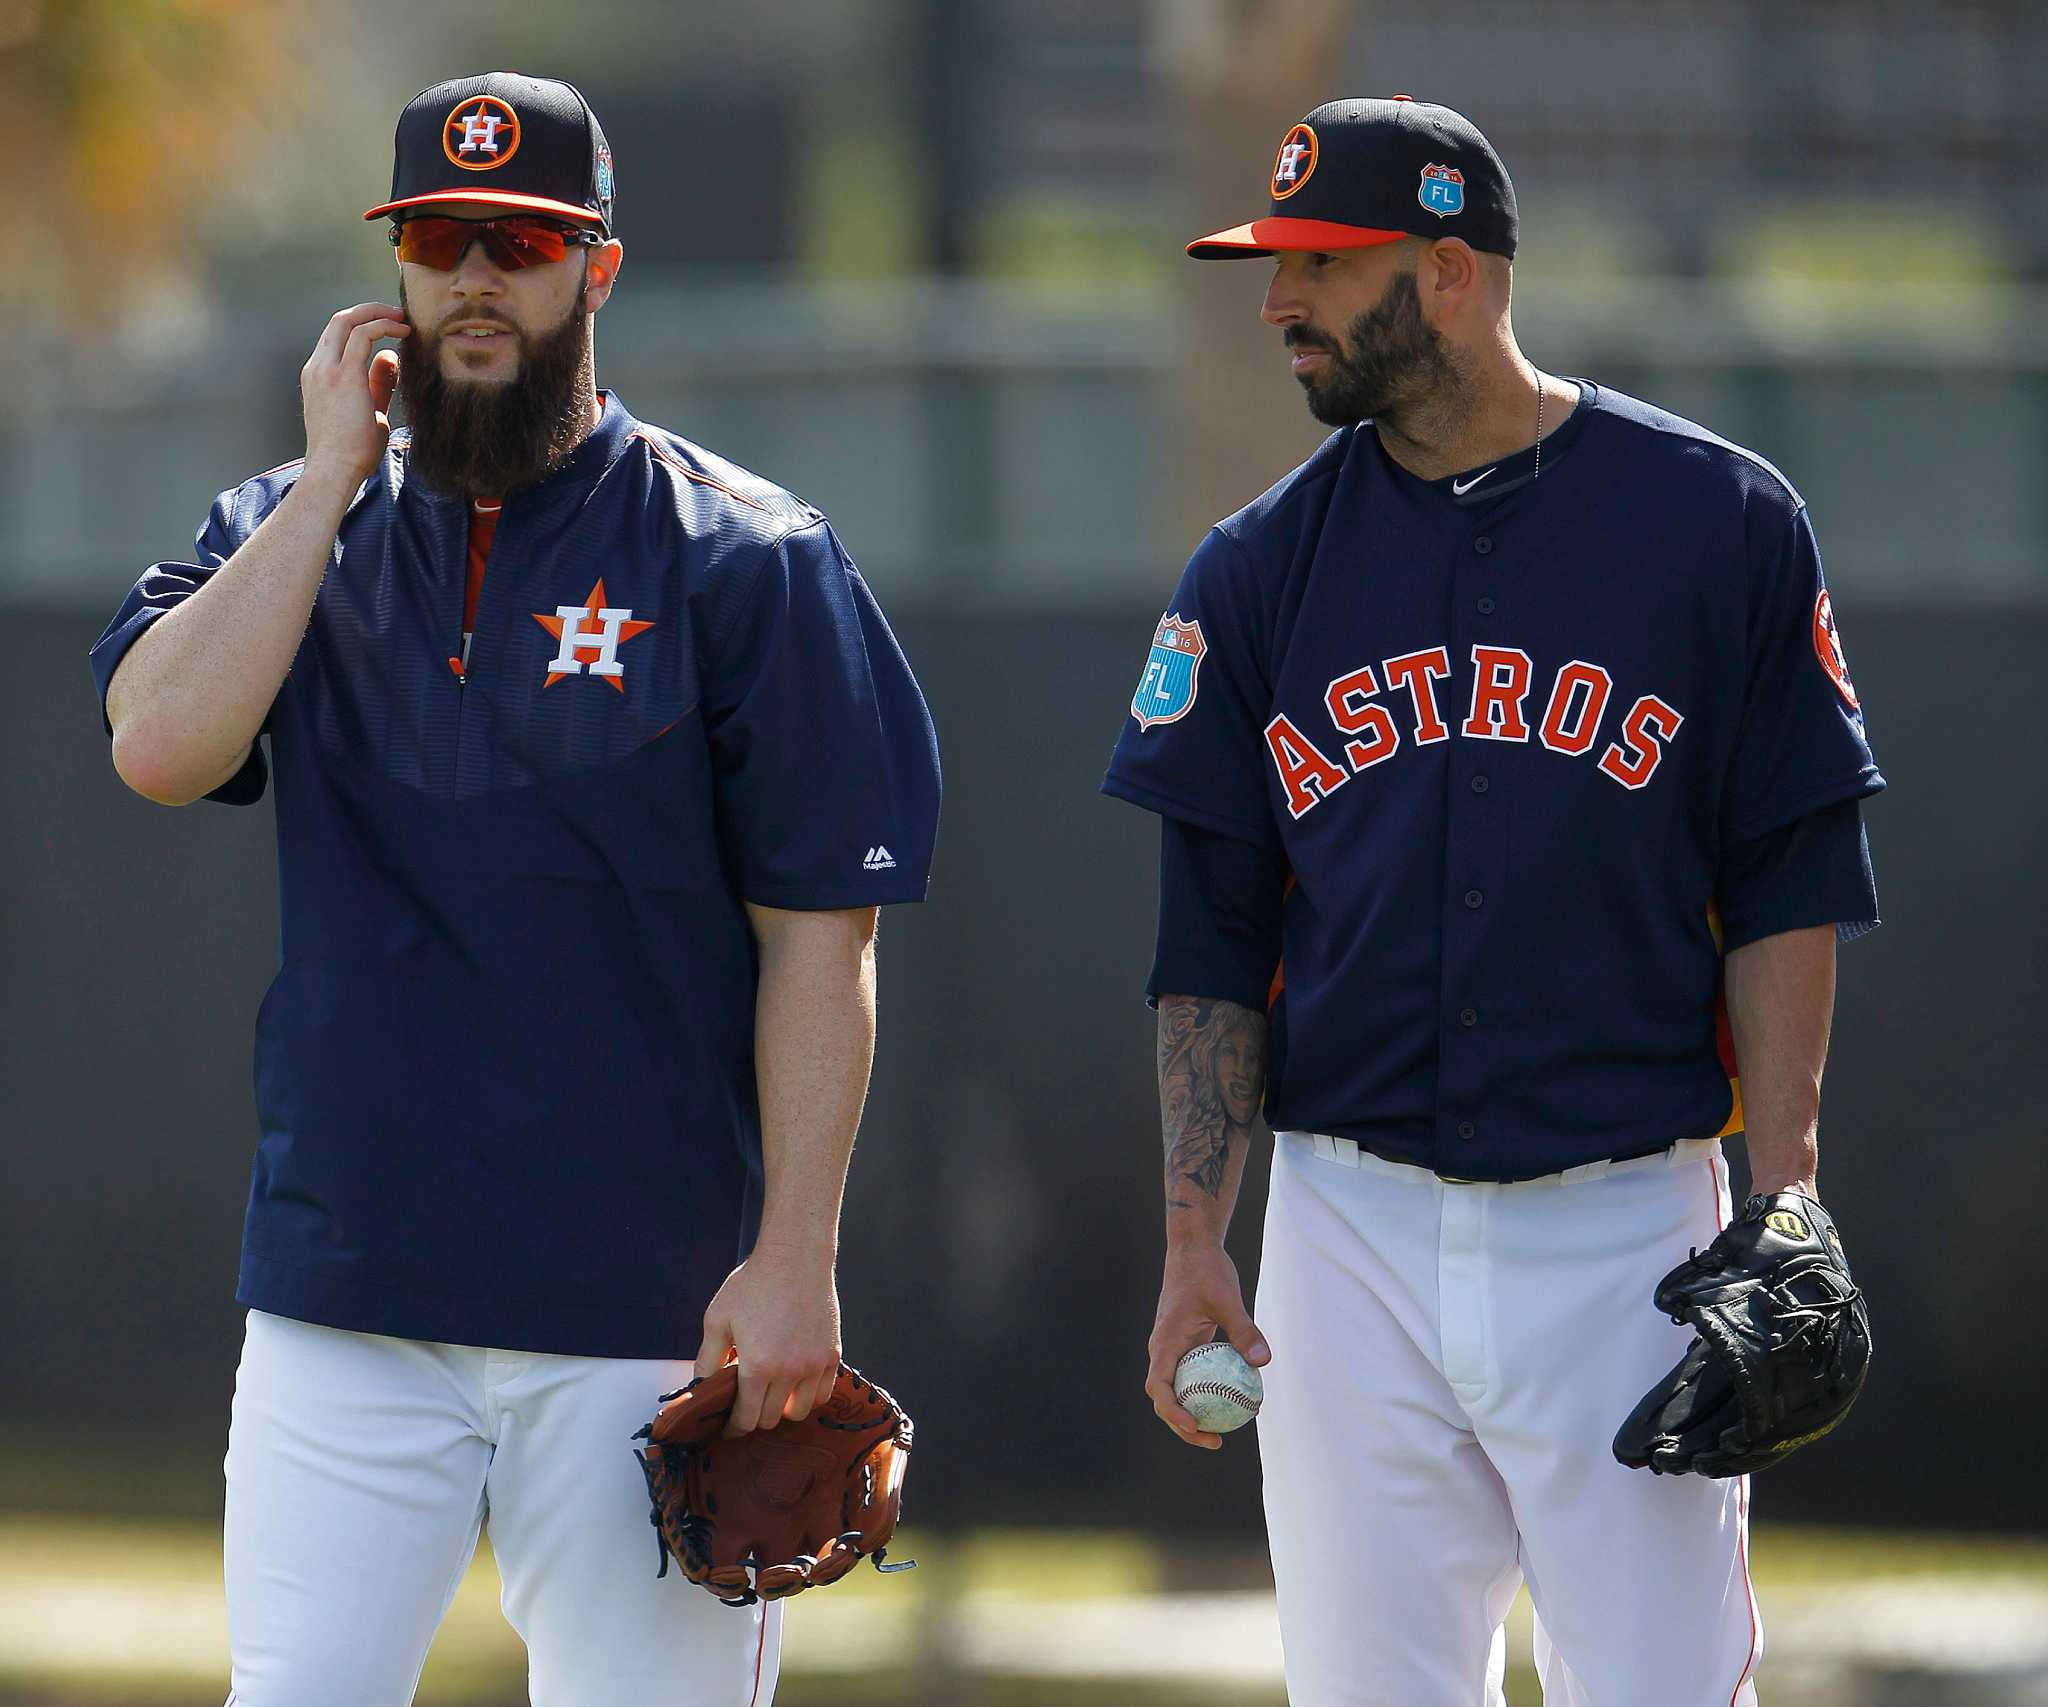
<point x="1474" y="835"/>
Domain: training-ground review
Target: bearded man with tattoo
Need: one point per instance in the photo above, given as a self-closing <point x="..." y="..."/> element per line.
<point x="1508" y="770"/>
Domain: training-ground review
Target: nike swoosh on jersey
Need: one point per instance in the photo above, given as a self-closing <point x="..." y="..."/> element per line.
<point x="1460" y="487"/>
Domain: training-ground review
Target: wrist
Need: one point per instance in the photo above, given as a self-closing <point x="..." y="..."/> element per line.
<point x="330" y="484"/>
<point x="1782" y="1161"/>
<point x="805" y="1246"/>
<point x="1770" y="1184"/>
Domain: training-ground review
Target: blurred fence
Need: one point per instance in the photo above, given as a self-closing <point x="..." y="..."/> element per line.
<point x="994" y="443"/>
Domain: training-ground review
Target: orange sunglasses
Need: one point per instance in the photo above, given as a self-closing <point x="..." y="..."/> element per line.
<point x="513" y="242"/>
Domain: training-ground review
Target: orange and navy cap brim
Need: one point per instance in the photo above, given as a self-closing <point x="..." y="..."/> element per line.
<point x="1265" y="236"/>
<point x="492" y="198"/>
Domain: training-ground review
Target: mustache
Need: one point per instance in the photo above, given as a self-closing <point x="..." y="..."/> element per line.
<point x="462" y="317"/>
<point x="1303" y="338"/>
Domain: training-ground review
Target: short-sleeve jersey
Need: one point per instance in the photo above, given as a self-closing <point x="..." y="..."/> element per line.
<point x="504" y="1074"/>
<point x="1502" y="728"/>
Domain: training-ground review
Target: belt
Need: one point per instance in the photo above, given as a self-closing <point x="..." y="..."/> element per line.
<point x="1349" y="1153"/>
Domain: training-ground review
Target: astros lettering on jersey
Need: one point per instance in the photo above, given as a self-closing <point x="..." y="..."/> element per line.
<point x="1500" y="680"/>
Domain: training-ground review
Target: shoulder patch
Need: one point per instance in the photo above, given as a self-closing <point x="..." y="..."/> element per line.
<point x="1166" y="691"/>
<point x="1827" y="646"/>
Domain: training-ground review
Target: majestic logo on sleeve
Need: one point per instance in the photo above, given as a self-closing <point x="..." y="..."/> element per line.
<point x="1442" y="190"/>
<point x="1166" y="691"/>
<point x="590" y="635"/>
<point x="481" y="132"/>
<point x="1371" y="707"/>
<point x="1827" y="646"/>
<point x="1295" y="161"/>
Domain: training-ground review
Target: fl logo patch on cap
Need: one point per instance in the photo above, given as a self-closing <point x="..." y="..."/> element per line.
<point x="481" y="132"/>
<point x="1442" y="190"/>
<point x="1295" y="161"/>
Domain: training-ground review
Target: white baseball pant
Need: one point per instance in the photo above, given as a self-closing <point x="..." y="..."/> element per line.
<point x="1450" y="1363"/>
<point x="359" y="1472"/>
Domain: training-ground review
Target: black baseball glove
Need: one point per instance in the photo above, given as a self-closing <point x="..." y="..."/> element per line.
<point x="1784" y="1341"/>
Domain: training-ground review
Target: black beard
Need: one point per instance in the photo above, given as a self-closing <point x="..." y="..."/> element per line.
<point x="484" y="440"/>
<point x="1395" y="360"/>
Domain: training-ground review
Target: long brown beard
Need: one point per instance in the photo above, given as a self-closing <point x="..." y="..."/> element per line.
<point x="482" y="440"/>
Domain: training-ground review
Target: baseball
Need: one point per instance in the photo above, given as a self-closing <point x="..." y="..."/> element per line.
<point x="1217" y="1387"/>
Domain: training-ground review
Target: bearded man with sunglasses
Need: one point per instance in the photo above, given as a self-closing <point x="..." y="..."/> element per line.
<point x="595" y="758"/>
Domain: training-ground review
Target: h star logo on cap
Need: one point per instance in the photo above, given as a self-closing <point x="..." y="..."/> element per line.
<point x="481" y="132"/>
<point x="592" y="626"/>
<point x="1294" y="163"/>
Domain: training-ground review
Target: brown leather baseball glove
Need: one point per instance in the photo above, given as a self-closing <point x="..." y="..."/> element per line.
<point x="778" y="1510"/>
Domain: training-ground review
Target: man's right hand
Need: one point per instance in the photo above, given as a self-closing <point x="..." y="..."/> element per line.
<point x="346" y="391"/>
<point x="1199" y="1294"/>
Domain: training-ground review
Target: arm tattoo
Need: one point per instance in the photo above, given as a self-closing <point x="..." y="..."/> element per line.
<point x="1212" y="1075"/>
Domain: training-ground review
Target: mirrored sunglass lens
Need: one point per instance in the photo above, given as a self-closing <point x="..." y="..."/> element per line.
<point x="436" y="243"/>
<point x="530" y="241"/>
<point x="510" y="243"/>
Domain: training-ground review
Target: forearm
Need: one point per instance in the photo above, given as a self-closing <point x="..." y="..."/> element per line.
<point x="192" y="693"/>
<point x="1781" y="1001"/>
<point x="1212" y="1077"/>
<point x="814" y="1047"/>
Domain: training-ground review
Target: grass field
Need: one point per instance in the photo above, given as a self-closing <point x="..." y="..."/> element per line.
<point x="94" y="1613"/>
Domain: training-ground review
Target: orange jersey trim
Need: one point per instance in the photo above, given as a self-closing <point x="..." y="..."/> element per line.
<point x="1278" y="988"/>
<point x="1724" y="1033"/>
<point x="688" y="473"/>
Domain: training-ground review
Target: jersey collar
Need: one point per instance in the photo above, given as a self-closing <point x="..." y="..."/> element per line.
<point x="1490" y="480"/>
<point x="607" y="441"/>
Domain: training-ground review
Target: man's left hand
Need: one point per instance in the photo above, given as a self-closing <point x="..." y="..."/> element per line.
<point x="779" y="1312"/>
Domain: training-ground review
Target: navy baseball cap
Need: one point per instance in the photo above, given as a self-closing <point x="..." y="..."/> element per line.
<point x="1356" y="173"/>
<point x="526" y="143"/>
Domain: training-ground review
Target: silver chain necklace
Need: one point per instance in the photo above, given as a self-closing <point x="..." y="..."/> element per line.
<point x="1536" y="473"/>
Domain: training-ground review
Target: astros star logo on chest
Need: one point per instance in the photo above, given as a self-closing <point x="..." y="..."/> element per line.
<point x="592" y="627"/>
